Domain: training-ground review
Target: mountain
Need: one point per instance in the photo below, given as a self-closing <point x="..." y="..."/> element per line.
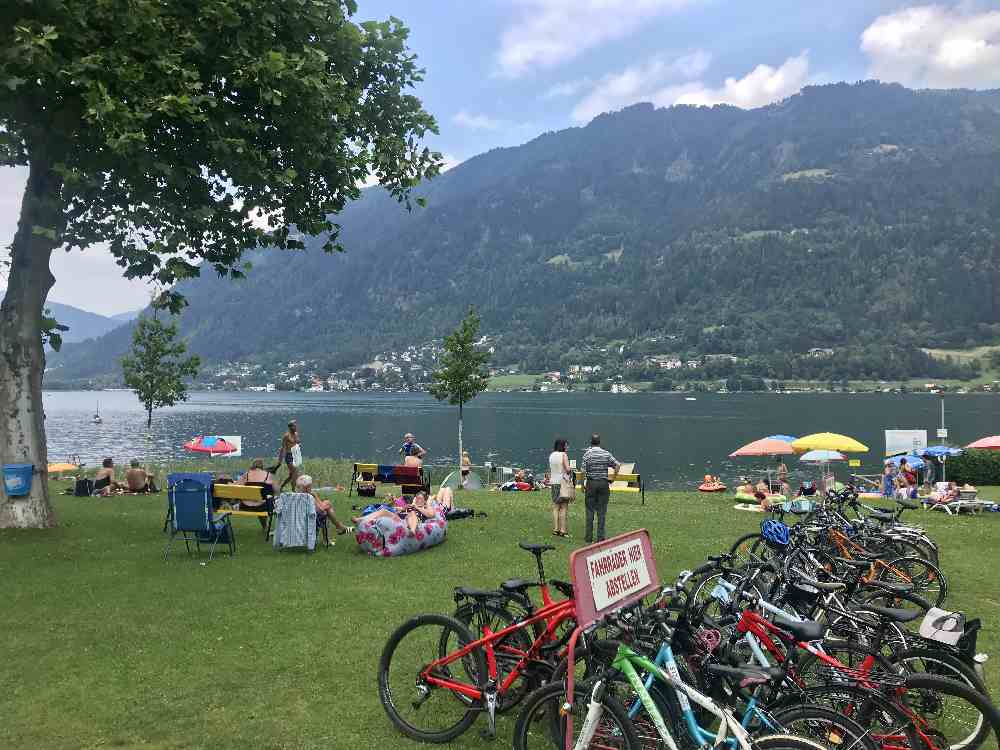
<point x="125" y="317"/>
<point x="82" y="324"/>
<point x="860" y="218"/>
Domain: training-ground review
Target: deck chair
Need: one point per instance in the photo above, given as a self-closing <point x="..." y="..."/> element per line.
<point x="199" y="476"/>
<point x="192" y="517"/>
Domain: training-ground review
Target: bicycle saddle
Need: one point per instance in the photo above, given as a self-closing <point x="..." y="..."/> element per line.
<point x="803" y="631"/>
<point x="883" y="515"/>
<point x="890" y="613"/>
<point x="604" y="650"/>
<point x="564" y="588"/>
<point x="749" y="675"/>
<point x="517" y="585"/>
<point x="892" y="587"/>
<point x="535" y="549"/>
<point x="470" y="593"/>
<point x="856" y="564"/>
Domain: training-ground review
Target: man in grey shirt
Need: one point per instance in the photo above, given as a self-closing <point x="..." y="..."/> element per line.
<point x="596" y="463"/>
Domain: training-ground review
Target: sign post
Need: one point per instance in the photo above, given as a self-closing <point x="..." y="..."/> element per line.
<point x="607" y="576"/>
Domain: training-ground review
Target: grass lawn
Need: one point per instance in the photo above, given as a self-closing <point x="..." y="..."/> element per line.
<point x="107" y="645"/>
<point x="507" y="382"/>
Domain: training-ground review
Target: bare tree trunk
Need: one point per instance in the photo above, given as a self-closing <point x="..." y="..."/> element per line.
<point x="22" y="358"/>
<point x="460" y="443"/>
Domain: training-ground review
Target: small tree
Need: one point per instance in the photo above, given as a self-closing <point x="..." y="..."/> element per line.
<point x="156" y="368"/>
<point x="462" y="374"/>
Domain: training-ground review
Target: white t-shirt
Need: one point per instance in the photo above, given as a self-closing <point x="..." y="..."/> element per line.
<point x="556" y="475"/>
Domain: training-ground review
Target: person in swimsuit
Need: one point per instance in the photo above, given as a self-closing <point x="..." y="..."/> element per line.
<point x="289" y="441"/>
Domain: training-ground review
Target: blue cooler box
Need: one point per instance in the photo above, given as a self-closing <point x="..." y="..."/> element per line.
<point x="17" y="478"/>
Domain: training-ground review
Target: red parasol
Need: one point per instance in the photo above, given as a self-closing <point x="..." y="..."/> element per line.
<point x="764" y="447"/>
<point x="210" y="444"/>
<point x="988" y="443"/>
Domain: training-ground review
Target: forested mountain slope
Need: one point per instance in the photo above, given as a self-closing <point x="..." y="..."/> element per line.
<point x="860" y="217"/>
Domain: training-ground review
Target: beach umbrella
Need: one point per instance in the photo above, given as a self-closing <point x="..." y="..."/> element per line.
<point x="213" y="445"/>
<point x="914" y="462"/>
<point x="828" y="441"/>
<point x="991" y="443"/>
<point x="763" y="447"/>
<point x="783" y="438"/>
<point x="822" y="457"/>
<point x="942" y="453"/>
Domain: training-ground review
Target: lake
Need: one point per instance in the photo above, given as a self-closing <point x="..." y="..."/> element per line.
<point x="674" y="441"/>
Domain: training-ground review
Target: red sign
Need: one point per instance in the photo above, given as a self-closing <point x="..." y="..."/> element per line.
<point x="612" y="574"/>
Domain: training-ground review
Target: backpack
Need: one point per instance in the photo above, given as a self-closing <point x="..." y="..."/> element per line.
<point x="84" y="488"/>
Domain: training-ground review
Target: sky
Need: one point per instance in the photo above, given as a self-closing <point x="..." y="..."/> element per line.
<point x="500" y="72"/>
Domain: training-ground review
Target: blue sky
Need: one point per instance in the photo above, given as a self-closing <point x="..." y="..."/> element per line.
<point x="500" y="72"/>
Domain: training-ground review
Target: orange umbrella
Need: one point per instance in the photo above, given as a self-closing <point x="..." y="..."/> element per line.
<point x="989" y="443"/>
<point x="764" y="447"/>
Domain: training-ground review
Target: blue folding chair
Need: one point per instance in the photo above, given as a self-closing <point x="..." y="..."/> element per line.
<point x="199" y="476"/>
<point x="191" y="515"/>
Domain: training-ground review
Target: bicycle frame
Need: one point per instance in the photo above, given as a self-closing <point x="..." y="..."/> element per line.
<point x="665" y="659"/>
<point x="553" y="614"/>
<point x="730" y="731"/>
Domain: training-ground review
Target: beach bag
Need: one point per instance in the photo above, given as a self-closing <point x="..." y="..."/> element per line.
<point x="567" y="490"/>
<point x="84" y="488"/>
<point x="366" y="489"/>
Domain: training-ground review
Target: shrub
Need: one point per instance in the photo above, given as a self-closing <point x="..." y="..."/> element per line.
<point x="977" y="467"/>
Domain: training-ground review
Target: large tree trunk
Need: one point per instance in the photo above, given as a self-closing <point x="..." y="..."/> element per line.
<point x="22" y="358"/>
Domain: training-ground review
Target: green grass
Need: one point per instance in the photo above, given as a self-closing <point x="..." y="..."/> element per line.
<point x="107" y="645"/>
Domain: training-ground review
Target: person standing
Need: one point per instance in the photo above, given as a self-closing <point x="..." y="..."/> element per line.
<point x="412" y="452"/>
<point x="291" y="454"/>
<point x="596" y="464"/>
<point x="560" y="475"/>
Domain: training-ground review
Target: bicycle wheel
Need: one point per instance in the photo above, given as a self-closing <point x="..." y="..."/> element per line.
<point x="421" y="711"/>
<point x="941" y="663"/>
<point x="750" y="548"/>
<point x="888" y="725"/>
<point x="542" y="721"/>
<point x="785" y="742"/>
<point x="961" y="718"/>
<point x="925" y="577"/>
<point x="508" y="651"/>
<point x="826" y="727"/>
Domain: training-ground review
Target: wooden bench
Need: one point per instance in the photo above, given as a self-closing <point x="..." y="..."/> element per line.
<point x="411" y="479"/>
<point x="236" y="493"/>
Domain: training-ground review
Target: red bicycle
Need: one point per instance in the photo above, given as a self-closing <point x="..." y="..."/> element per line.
<point x="436" y="676"/>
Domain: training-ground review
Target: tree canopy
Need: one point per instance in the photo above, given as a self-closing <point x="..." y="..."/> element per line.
<point x="156" y="367"/>
<point x="185" y="132"/>
<point x="461" y="374"/>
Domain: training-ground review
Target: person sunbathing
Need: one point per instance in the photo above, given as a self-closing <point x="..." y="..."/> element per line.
<point x="324" y="508"/>
<point x="745" y="488"/>
<point x="420" y="510"/>
<point x="139" y="480"/>
<point x="950" y="494"/>
<point x="104" y="479"/>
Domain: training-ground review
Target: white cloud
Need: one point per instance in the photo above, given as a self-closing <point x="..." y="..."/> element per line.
<point x="450" y="161"/>
<point x="936" y="46"/>
<point x="567" y="88"/>
<point x="666" y="83"/>
<point x="760" y="86"/>
<point x="473" y="121"/>
<point x="645" y="82"/>
<point x="549" y="32"/>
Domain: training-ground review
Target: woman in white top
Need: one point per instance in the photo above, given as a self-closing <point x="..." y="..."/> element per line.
<point x="559" y="472"/>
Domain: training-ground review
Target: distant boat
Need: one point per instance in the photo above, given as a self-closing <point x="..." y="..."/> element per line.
<point x="97" y="414"/>
<point x="690" y="398"/>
